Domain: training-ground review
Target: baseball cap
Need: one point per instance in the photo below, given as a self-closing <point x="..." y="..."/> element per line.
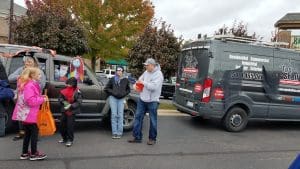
<point x="120" y="68"/>
<point x="150" y="61"/>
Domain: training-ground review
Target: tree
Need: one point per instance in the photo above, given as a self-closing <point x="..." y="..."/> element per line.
<point x="112" y="26"/>
<point x="158" y="43"/>
<point x="49" y="25"/>
<point x="239" y="30"/>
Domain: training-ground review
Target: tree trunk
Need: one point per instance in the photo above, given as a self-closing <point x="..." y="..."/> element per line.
<point x="93" y="63"/>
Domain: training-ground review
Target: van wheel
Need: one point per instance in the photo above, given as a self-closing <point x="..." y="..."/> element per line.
<point x="235" y="120"/>
<point x="129" y="115"/>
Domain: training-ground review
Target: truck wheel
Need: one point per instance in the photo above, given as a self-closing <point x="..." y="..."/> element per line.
<point x="235" y="120"/>
<point x="129" y="115"/>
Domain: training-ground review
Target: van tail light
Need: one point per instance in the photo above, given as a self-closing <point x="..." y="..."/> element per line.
<point x="198" y="88"/>
<point x="206" y="90"/>
<point x="219" y="93"/>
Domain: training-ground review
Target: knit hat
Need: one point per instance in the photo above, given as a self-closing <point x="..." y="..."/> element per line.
<point x="72" y="81"/>
<point x="120" y="68"/>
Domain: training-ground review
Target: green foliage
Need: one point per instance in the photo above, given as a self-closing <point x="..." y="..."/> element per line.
<point x="50" y="25"/>
<point x="158" y="43"/>
<point x="237" y="29"/>
<point x="112" y="25"/>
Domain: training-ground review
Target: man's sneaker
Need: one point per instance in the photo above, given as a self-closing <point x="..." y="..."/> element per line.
<point x="119" y="136"/>
<point x="61" y="141"/>
<point x="114" y="136"/>
<point x="133" y="140"/>
<point x="69" y="143"/>
<point x="25" y="156"/>
<point x="151" y="142"/>
<point x="37" y="156"/>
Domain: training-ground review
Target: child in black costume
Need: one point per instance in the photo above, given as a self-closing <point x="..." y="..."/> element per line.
<point x="70" y="99"/>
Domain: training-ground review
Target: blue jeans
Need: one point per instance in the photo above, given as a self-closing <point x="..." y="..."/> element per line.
<point x="117" y="115"/>
<point x="142" y="108"/>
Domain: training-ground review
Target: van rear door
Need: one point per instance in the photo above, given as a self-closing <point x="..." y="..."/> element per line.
<point x="192" y="71"/>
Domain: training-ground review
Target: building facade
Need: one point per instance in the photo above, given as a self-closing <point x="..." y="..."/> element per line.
<point x="4" y="18"/>
<point x="288" y="30"/>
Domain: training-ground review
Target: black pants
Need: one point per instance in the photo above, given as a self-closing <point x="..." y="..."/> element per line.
<point x="67" y="127"/>
<point x="31" y="136"/>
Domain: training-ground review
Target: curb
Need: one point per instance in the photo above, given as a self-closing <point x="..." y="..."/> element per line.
<point x="169" y="112"/>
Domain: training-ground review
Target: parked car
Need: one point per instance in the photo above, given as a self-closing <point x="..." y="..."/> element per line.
<point x="168" y="89"/>
<point x="100" y="74"/>
<point x="233" y="79"/>
<point x="109" y="73"/>
<point x="94" y="106"/>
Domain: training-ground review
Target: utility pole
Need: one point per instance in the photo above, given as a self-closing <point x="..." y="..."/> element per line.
<point x="11" y="15"/>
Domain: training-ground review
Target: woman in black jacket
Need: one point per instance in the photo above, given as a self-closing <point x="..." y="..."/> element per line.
<point x="117" y="88"/>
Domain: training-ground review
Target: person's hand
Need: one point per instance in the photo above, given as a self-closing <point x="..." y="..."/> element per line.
<point x="7" y="55"/>
<point x="52" y="52"/>
<point x="45" y="98"/>
<point x="140" y="81"/>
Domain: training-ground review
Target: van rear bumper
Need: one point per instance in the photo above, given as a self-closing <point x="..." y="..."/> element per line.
<point x="186" y="110"/>
<point x="204" y="110"/>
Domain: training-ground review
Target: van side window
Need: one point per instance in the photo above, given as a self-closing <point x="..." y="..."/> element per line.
<point x="42" y="65"/>
<point x="62" y="71"/>
<point x="15" y="63"/>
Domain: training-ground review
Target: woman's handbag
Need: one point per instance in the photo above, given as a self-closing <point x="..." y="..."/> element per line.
<point x="45" y="122"/>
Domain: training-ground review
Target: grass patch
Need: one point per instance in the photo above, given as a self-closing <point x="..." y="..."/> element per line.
<point x="166" y="106"/>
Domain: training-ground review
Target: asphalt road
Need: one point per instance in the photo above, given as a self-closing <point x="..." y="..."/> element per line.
<point x="182" y="144"/>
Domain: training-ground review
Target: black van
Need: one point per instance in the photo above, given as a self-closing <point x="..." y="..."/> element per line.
<point x="235" y="80"/>
<point x="95" y="106"/>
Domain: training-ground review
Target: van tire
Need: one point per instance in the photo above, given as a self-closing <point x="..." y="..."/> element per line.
<point x="235" y="120"/>
<point x="129" y="115"/>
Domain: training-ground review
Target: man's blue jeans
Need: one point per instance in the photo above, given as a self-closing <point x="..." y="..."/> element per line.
<point x="117" y="115"/>
<point x="142" y="108"/>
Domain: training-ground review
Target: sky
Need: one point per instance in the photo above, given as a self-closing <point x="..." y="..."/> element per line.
<point x="188" y="18"/>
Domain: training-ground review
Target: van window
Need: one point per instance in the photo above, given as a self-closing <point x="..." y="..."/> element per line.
<point x="61" y="70"/>
<point x="194" y="63"/>
<point x="15" y="63"/>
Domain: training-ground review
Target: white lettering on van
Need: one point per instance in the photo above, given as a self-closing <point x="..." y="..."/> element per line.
<point x="249" y="63"/>
<point x="237" y="57"/>
<point x="257" y="69"/>
<point x="254" y="59"/>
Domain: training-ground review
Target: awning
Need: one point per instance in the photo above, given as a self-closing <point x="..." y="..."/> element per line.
<point x="116" y="62"/>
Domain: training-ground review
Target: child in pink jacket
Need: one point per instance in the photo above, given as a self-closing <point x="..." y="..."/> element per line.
<point x="26" y="110"/>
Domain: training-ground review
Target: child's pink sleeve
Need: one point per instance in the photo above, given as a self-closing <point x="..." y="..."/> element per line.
<point x="31" y="95"/>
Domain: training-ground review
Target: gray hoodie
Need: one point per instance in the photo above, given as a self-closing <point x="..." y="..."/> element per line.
<point x="14" y="76"/>
<point x="152" y="85"/>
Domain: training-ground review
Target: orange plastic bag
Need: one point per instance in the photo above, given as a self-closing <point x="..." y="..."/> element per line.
<point x="45" y="121"/>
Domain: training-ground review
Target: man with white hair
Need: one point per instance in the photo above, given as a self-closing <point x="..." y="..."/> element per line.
<point x="151" y="80"/>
